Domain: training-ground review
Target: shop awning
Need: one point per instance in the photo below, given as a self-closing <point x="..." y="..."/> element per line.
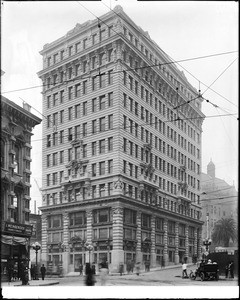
<point x="14" y="240"/>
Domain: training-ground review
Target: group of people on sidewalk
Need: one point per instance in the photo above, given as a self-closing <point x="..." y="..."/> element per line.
<point x="34" y="272"/>
<point x="90" y="272"/>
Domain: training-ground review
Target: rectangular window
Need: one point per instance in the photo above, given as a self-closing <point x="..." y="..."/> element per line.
<point x="61" y="96"/>
<point x="77" y="111"/>
<point x="84" y="108"/>
<point x="102" y="191"/>
<point x="110" y="166"/>
<point x="77" y="132"/>
<point x="77" y="90"/>
<point x="102" y="102"/>
<point x="102" y="81"/>
<point x="70" y="109"/>
<point x="110" y="77"/>
<point x="84" y="129"/>
<point x="61" y="137"/>
<point x="110" y="99"/>
<point x="84" y="87"/>
<point x="129" y="217"/>
<point x="94" y="148"/>
<point x="101" y="146"/>
<point x="94" y="105"/>
<point x="102" y="168"/>
<point x="62" y="157"/>
<point x="94" y="170"/>
<point x="102" y="124"/>
<point x="94" y="126"/>
<point x="110" y="144"/>
<point x="70" y="91"/>
<point x="110" y="122"/>
<point x="94" y="83"/>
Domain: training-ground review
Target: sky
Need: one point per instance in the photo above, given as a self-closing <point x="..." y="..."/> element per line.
<point x="183" y="29"/>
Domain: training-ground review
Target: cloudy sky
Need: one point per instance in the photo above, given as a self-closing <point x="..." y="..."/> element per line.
<point x="184" y="30"/>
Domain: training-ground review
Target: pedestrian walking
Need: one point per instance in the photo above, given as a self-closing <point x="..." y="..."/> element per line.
<point x="147" y="265"/>
<point x="43" y="271"/>
<point x="89" y="280"/>
<point x="35" y="275"/>
<point x="81" y="269"/>
<point x="25" y="278"/>
<point x="231" y="269"/>
<point x="132" y="265"/>
<point x="138" y="268"/>
<point x="184" y="270"/>
<point x="227" y="270"/>
<point x="103" y="273"/>
<point x="128" y="266"/>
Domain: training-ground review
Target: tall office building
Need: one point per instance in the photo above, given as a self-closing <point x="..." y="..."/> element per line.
<point x="16" y="124"/>
<point x="121" y="164"/>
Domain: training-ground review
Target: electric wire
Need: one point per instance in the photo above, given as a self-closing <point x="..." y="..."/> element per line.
<point x="151" y="41"/>
<point x="141" y="124"/>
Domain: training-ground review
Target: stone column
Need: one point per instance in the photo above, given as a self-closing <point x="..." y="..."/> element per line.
<point x="153" y="239"/>
<point x="199" y="252"/>
<point x="165" y="242"/>
<point x="177" y="243"/>
<point x="187" y="243"/>
<point x="195" y="242"/>
<point x="65" y="240"/>
<point x="89" y="235"/>
<point x="117" y="250"/>
<point x="44" y="250"/>
<point x="139" y="237"/>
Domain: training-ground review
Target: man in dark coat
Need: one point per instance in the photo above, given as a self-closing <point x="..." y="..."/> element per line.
<point x="231" y="269"/>
<point x="89" y="279"/>
<point x="43" y="271"/>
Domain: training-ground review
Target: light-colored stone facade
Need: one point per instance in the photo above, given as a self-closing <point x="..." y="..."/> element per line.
<point x="119" y="144"/>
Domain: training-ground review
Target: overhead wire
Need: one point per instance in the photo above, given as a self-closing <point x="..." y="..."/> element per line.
<point x="141" y="124"/>
<point x="151" y="41"/>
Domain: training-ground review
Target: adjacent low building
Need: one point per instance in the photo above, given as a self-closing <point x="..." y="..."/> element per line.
<point x="16" y="131"/>
<point x="121" y="151"/>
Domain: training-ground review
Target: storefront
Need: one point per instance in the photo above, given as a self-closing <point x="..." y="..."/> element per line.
<point x="15" y="246"/>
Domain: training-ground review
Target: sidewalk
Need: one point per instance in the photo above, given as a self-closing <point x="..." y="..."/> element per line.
<point x="152" y="269"/>
<point x="40" y="282"/>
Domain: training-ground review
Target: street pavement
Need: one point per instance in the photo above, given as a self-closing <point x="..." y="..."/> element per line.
<point x="168" y="276"/>
<point x="157" y="283"/>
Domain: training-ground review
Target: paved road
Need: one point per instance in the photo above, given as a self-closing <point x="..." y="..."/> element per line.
<point x="164" y="277"/>
<point x="165" y="283"/>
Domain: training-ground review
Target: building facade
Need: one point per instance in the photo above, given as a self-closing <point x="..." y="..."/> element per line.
<point x="219" y="200"/>
<point x="122" y="153"/>
<point x="17" y="124"/>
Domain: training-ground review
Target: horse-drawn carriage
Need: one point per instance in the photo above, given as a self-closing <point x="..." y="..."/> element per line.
<point x="206" y="271"/>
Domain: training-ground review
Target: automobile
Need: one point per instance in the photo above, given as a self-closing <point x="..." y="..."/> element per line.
<point x="206" y="271"/>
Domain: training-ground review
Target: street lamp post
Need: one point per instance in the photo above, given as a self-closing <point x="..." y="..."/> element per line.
<point x="207" y="241"/>
<point x="89" y="247"/>
<point x="36" y="246"/>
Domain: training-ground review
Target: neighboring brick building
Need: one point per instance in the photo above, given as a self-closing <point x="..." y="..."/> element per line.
<point x="16" y="124"/>
<point x="120" y="170"/>
<point x="223" y="201"/>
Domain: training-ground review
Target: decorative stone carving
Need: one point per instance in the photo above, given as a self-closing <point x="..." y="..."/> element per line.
<point x="117" y="210"/>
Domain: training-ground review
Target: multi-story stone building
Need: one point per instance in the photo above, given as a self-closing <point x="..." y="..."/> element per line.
<point x="17" y="124"/>
<point x="219" y="200"/>
<point x="121" y="151"/>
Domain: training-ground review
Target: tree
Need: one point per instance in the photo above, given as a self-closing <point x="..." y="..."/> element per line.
<point x="223" y="231"/>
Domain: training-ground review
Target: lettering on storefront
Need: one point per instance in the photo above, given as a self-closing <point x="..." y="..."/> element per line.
<point x="15" y="228"/>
